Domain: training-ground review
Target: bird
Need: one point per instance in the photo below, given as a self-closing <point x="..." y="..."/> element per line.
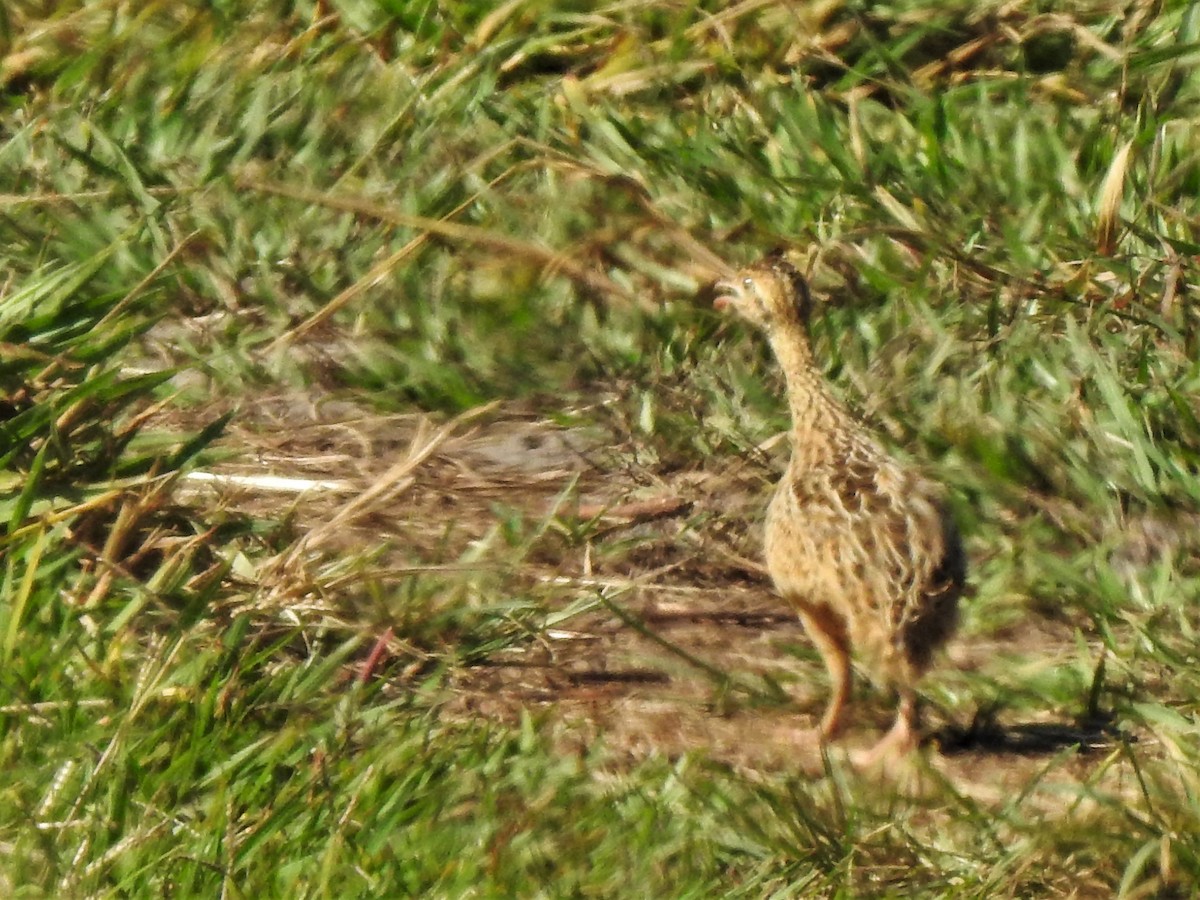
<point x="863" y="546"/>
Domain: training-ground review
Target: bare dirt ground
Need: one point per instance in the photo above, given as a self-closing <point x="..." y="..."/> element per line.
<point x="664" y="636"/>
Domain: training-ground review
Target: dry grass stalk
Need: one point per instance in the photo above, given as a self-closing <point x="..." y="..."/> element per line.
<point x="550" y="259"/>
<point x="274" y="484"/>
<point x="397" y="478"/>
<point x="1111" y="194"/>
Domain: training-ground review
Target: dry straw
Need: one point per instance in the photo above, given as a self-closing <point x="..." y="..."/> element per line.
<point x="1111" y="194"/>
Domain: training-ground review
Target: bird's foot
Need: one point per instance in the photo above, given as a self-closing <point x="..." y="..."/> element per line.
<point x="892" y="749"/>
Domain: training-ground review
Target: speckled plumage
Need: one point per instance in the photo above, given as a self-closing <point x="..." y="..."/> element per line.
<point x="860" y="544"/>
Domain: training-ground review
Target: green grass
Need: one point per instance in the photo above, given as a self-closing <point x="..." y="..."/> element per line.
<point x="421" y="208"/>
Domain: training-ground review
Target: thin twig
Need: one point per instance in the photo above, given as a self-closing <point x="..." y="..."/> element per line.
<point x="119" y="307"/>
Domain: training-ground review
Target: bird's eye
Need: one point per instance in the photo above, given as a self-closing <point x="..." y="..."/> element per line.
<point x="747" y="282"/>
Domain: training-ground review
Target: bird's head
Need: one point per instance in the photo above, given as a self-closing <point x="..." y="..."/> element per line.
<point x="769" y="294"/>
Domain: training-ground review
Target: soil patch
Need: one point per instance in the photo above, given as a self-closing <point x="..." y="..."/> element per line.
<point x="657" y="632"/>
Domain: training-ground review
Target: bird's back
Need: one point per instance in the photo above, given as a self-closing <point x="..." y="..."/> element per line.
<point x="872" y="540"/>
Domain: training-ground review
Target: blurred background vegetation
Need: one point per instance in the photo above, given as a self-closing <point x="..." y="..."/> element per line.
<point x="418" y="208"/>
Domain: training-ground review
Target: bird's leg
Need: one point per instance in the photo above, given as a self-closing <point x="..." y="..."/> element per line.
<point x="828" y="631"/>
<point x="900" y="740"/>
<point x="905" y="732"/>
<point x="838" y="663"/>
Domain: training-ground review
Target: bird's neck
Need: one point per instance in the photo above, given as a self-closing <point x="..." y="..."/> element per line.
<point x="819" y="421"/>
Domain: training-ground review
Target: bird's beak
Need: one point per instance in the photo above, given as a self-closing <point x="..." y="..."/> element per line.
<point x="727" y="293"/>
